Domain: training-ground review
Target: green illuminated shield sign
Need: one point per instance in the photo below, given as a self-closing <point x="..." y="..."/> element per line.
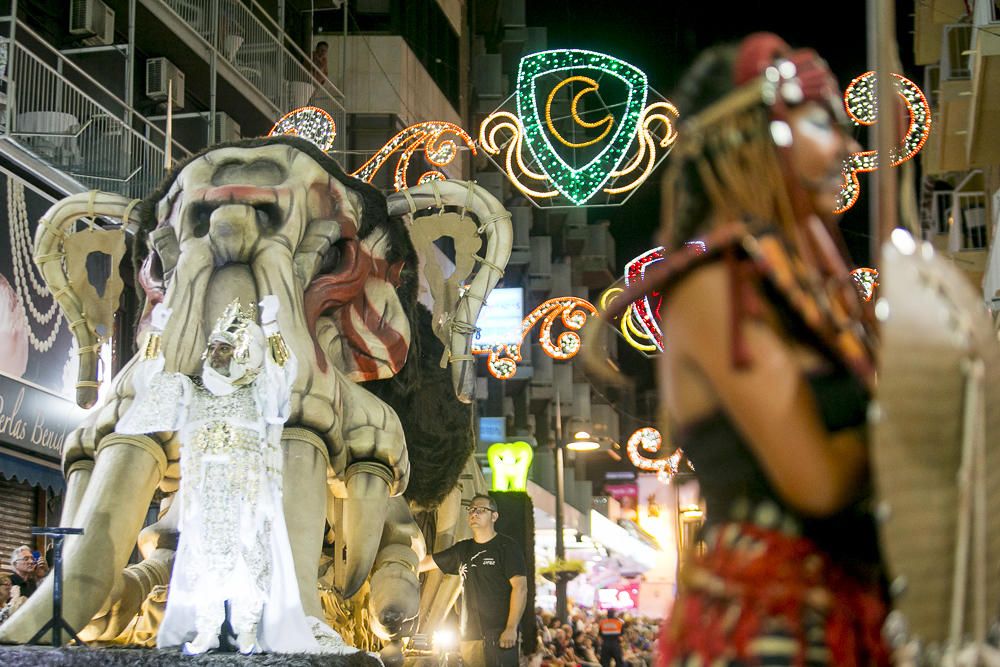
<point x="595" y="157"/>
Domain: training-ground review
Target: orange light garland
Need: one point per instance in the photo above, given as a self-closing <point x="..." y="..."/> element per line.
<point x="860" y="102"/>
<point x="573" y="311"/>
<point x="439" y="151"/>
<point x="311" y="123"/>
<point x="866" y="280"/>
<point x="650" y="441"/>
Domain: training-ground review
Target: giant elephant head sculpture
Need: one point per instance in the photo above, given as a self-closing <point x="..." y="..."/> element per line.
<point x="271" y="216"/>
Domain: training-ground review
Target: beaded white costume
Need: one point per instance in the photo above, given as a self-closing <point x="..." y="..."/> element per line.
<point x="233" y="541"/>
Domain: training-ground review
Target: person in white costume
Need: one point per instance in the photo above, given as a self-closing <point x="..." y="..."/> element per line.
<point x="233" y="545"/>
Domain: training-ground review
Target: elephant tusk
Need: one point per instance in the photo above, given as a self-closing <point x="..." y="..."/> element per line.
<point x="494" y="223"/>
<point x="360" y="519"/>
<point x="53" y="229"/>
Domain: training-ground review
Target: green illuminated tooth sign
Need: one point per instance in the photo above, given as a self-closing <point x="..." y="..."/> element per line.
<point x="581" y="129"/>
<point x="577" y="183"/>
<point x="510" y="462"/>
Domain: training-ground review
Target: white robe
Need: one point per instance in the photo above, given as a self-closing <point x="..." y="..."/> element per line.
<point x="233" y="539"/>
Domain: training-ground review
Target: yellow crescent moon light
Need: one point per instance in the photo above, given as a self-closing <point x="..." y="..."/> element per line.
<point x="608" y="121"/>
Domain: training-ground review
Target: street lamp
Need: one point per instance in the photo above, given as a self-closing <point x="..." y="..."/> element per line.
<point x="583" y="442"/>
<point x="562" y="610"/>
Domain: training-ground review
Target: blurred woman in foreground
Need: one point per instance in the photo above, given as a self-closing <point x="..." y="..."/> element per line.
<point x="768" y="369"/>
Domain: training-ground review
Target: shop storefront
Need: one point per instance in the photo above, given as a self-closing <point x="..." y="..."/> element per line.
<point x="612" y="558"/>
<point x="629" y="549"/>
<point x="37" y="375"/>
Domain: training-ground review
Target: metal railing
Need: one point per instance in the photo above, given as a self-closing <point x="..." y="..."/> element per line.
<point x="985" y="13"/>
<point x="259" y="51"/>
<point x="969" y="217"/>
<point x="69" y="120"/>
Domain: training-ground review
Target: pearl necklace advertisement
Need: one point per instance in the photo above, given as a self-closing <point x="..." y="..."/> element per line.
<point x="37" y="359"/>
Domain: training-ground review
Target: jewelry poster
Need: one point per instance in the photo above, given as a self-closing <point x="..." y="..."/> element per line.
<point x="38" y="365"/>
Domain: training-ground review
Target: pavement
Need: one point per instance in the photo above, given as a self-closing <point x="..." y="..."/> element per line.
<point x="82" y="656"/>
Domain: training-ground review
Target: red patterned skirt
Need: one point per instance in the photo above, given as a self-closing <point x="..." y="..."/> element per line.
<point x="763" y="597"/>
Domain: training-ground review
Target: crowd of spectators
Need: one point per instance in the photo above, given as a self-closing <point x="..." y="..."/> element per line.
<point x="28" y="570"/>
<point x="579" y="641"/>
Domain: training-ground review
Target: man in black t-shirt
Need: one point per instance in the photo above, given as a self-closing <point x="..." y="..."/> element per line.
<point x="494" y="587"/>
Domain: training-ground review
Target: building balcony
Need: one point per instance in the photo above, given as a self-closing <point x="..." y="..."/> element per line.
<point x="61" y="124"/>
<point x="595" y="265"/>
<point x="947" y="142"/>
<point x="968" y="228"/>
<point x="984" y="105"/>
<point x="541" y="380"/>
<point x="254" y="58"/>
<point x="562" y="277"/>
<point x="575" y="236"/>
<point x="930" y="16"/>
<point x="946" y="149"/>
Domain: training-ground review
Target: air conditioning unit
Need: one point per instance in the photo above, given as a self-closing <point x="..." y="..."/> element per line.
<point x="160" y="72"/>
<point x="226" y="129"/>
<point x="94" y="19"/>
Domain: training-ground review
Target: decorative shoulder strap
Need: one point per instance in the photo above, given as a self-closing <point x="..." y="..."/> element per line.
<point x="825" y="309"/>
<point x="753" y="256"/>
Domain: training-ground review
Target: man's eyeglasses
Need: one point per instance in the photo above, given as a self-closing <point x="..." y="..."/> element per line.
<point x="479" y="510"/>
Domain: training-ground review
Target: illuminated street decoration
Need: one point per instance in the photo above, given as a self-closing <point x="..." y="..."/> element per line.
<point x="866" y="280"/>
<point x="439" y="147"/>
<point x="436" y="137"/>
<point x="649" y="441"/>
<point x="560" y="154"/>
<point x="647" y="309"/>
<point x="573" y="311"/>
<point x="639" y="323"/>
<point x="311" y="123"/>
<point x="628" y="326"/>
<point x="861" y="103"/>
<point x="608" y="121"/>
<point x="509" y="462"/>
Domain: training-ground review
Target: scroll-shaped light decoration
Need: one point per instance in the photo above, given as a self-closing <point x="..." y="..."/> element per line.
<point x="311" y="123"/>
<point x="628" y="326"/>
<point x="646" y="309"/>
<point x="436" y="137"/>
<point x="866" y="280"/>
<point x="439" y="149"/>
<point x="509" y="462"/>
<point x="573" y="311"/>
<point x="583" y="128"/>
<point x="860" y="102"/>
<point x="647" y="440"/>
<point x="640" y="324"/>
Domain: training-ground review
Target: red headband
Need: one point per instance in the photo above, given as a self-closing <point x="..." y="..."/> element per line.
<point x="761" y="50"/>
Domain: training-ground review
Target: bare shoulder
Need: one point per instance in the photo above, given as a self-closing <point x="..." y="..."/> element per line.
<point x="698" y="308"/>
